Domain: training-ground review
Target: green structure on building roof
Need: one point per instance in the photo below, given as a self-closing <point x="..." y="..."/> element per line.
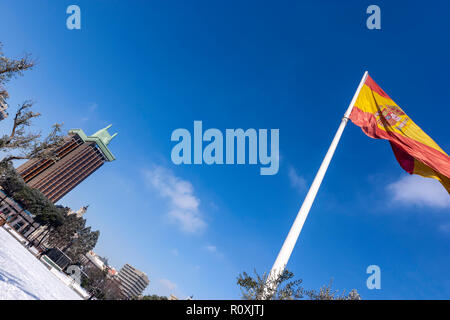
<point x="78" y="158"/>
<point x="102" y="138"/>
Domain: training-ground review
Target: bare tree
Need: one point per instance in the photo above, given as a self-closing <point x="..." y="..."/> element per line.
<point x="11" y="68"/>
<point x="19" y="143"/>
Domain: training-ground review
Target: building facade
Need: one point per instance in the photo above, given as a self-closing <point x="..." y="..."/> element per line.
<point x="78" y="158"/>
<point x="17" y="217"/>
<point x="132" y="281"/>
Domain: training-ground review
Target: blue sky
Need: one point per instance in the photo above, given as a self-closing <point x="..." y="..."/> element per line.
<point x="150" y="67"/>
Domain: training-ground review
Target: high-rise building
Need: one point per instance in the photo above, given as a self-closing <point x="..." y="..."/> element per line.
<point x="132" y="281"/>
<point x="78" y="158"/>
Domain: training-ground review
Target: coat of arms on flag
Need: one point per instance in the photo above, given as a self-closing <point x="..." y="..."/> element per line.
<point x="381" y="118"/>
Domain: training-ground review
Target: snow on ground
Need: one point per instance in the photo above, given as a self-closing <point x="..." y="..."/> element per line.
<point x="23" y="277"/>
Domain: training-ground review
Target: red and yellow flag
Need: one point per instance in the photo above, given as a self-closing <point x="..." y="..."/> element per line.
<point x="381" y="118"/>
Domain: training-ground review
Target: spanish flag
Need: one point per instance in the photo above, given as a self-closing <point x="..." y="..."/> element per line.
<point x="381" y="118"/>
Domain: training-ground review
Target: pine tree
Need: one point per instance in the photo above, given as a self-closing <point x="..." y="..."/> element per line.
<point x="64" y="235"/>
<point x="83" y="243"/>
<point x="44" y="211"/>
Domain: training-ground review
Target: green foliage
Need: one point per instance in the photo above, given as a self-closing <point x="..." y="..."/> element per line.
<point x="30" y="199"/>
<point x="67" y="230"/>
<point x="326" y="292"/>
<point x="284" y="287"/>
<point x="279" y="288"/>
<point x="11" y="68"/>
<point x="82" y="243"/>
<point x="10" y="181"/>
<point x="64" y="235"/>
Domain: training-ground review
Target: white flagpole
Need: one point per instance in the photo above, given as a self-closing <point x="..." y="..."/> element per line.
<point x="294" y="232"/>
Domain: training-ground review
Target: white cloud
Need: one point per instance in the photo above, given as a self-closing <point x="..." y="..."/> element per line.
<point x="297" y="182"/>
<point x="167" y="286"/>
<point x="174" y="252"/>
<point x="419" y="191"/>
<point x="183" y="202"/>
<point x="212" y="249"/>
<point x="189" y="221"/>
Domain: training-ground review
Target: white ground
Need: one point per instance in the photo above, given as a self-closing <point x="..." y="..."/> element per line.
<point x="23" y="277"/>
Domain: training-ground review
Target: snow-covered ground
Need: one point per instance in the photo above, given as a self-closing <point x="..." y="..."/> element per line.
<point x="22" y="276"/>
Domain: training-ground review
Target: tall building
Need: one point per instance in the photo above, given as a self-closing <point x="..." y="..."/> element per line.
<point x="132" y="281"/>
<point x="78" y="158"/>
